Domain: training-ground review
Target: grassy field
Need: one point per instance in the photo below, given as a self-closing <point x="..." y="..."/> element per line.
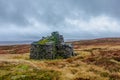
<point x="93" y="62"/>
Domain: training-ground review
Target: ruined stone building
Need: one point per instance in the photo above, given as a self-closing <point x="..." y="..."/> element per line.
<point x="51" y="47"/>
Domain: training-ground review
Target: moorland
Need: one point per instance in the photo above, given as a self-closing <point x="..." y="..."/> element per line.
<point x="96" y="59"/>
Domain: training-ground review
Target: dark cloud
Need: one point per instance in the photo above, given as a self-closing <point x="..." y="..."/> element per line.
<point x="28" y="19"/>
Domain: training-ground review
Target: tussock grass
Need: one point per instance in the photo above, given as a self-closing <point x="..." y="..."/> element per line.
<point x="91" y="63"/>
<point x="14" y="71"/>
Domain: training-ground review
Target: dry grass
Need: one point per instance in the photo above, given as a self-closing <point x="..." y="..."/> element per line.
<point x="101" y="62"/>
<point x="67" y="69"/>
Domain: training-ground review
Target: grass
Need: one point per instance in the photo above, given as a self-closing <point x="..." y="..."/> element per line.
<point x="91" y="63"/>
<point x="14" y="71"/>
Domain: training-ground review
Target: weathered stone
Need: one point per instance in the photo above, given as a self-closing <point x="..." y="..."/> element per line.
<point x="51" y="47"/>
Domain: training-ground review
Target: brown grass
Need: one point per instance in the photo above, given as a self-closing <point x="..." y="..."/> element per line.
<point x="14" y="49"/>
<point x="96" y="60"/>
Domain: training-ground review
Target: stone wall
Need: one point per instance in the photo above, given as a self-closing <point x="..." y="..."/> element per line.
<point x="52" y="47"/>
<point x="64" y="51"/>
<point x="42" y="51"/>
<point x="50" y="51"/>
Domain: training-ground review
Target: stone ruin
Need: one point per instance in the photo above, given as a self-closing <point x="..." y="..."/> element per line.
<point x="51" y="47"/>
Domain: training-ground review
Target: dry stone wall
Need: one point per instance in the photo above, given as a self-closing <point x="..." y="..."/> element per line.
<point x="51" y="51"/>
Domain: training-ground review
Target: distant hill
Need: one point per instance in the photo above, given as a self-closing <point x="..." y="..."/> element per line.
<point x="14" y="42"/>
<point x="100" y="41"/>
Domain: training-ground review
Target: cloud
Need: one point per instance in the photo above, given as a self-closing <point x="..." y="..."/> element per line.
<point x="29" y="20"/>
<point x="96" y="26"/>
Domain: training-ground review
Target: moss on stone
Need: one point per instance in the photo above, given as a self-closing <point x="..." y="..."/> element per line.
<point x="42" y="42"/>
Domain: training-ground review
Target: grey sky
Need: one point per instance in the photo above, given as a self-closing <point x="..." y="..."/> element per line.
<point x="75" y="19"/>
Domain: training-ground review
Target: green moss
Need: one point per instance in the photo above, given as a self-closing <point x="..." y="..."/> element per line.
<point x="44" y="41"/>
<point x="49" y="39"/>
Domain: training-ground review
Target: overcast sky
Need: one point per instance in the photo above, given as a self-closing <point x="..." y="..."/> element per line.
<point x="75" y="19"/>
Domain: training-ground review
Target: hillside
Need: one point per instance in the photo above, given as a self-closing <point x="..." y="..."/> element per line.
<point x="100" y="41"/>
<point x="14" y="49"/>
<point x="97" y="59"/>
